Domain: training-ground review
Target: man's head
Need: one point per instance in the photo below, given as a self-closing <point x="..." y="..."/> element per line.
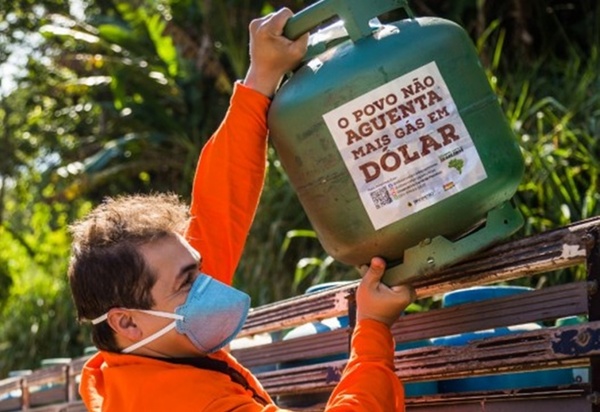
<point x="110" y="265"/>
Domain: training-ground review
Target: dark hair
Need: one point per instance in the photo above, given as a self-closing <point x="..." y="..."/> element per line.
<point x="106" y="269"/>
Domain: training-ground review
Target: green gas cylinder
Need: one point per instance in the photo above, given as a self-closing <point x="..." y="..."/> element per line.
<point x="393" y="139"/>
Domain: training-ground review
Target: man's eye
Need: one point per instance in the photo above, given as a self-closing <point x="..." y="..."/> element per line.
<point x="189" y="279"/>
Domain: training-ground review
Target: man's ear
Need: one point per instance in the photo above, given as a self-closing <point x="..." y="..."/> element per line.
<point x="123" y="323"/>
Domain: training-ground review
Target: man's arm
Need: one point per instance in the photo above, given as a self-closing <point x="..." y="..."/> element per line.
<point x="228" y="182"/>
<point x="231" y="169"/>
<point x="369" y="383"/>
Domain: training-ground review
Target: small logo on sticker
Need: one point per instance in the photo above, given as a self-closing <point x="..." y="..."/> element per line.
<point x="457" y="164"/>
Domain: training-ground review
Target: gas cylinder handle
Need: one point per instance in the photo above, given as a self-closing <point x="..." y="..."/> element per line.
<point x="354" y="13"/>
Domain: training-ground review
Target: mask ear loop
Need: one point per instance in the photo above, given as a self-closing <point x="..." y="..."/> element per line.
<point x="152" y="337"/>
<point x="156" y="334"/>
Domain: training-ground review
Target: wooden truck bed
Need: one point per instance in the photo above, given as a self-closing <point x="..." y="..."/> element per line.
<point x="573" y="349"/>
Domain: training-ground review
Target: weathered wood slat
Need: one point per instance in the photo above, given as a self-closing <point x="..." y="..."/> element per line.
<point x="570" y="399"/>
<point x="77" y="406"/>
<point x="315" y="346"/>
<point x="543" y="252"/>
<point x="47" y="396"/>
<point x="10" y="391"/>
<point x="58" y="407"/>
<point x="508" y="355"/>
<point x="535" y="254"/>
<point x="49" y="374"/>
<point x="544" y="304"/>
<point x="74" y="371"/>
<point x="47" y="385"/>
<point x="10" y="404"/>
<point x="297" y="310"/>
<point x="545" y="348"/>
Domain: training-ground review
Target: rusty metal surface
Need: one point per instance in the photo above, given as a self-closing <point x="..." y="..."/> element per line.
<point x="540" y="349"/>
<point x="10" y="404"/>
<point x="535" y="254"/>
<point x="45" y="386"/>
<point x="10" y="384"/>
<point x="549" y="303"/>
<point x="297" y="310"/>
<point x="76" y="407"/>
<point x="593" y="275"/>
<point x="544" y="304"/>
<point x="49" y="374"/>
<point x="10" y="391"/>
<point x="552" y="400"/>
<point x="59" y="407"/>
<point x="543" y="252"/>
<point x="571" y="399"/>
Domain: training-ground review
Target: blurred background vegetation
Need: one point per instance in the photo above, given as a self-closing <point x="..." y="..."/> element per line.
<point x="101" y="97"/>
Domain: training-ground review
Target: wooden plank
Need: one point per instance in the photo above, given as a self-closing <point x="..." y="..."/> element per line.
<point x="47" y="375"/>
<point x="549" y="303"/>
<point x="552" y="400"/>
<point x="544" y="252"/>
<point x="569" y="399"/>
<point x="544" y="348"/>
<point x="46" y="385"/>
<point x="544" y="304"/>
<point x="49" y="395"/>
<point x="549" y="348"/>
<point x="10" y="404"/>
<point x="309" y="347"/>
<point x="10" y="394"/>
<point x="593" y="275"/>
<point x="75" y="368"/>
<point x="297" y="310"/>
<point x="62" y="407"/>
<point x="76" y="407"/>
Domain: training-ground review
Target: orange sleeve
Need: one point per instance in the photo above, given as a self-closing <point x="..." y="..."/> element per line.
<point x="369" y="383"/>
<point x="228" y="182"/>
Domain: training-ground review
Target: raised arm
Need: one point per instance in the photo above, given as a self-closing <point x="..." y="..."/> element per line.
<point x="227" y="185"/>
<point x="230" y="173"/>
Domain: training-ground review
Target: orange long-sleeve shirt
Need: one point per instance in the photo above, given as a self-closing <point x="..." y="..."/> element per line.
<point x="228" y="182"/>
<point x="226" y="190"/>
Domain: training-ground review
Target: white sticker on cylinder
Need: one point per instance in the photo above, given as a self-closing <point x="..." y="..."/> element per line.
<point x="405" y="145"/>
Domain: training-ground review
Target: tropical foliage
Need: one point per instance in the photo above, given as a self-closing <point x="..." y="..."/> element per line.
<point x="119" y="96"/>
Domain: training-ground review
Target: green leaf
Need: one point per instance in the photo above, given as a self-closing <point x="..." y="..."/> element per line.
<point x="164" y="44"/>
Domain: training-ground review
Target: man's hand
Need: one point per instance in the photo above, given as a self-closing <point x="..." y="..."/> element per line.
<point x="375" y="300"/>
<point x="272" y="55"/>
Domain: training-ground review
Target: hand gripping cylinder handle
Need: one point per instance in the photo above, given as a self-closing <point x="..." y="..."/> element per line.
<point x="354" y="13"/>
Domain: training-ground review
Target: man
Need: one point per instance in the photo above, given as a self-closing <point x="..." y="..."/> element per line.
<point x="139" y="269"/>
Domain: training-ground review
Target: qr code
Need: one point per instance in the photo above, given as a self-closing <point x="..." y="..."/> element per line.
<point x="381" y="197"/>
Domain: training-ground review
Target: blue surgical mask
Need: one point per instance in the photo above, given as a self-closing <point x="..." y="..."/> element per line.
<point x="211" y="316"/>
